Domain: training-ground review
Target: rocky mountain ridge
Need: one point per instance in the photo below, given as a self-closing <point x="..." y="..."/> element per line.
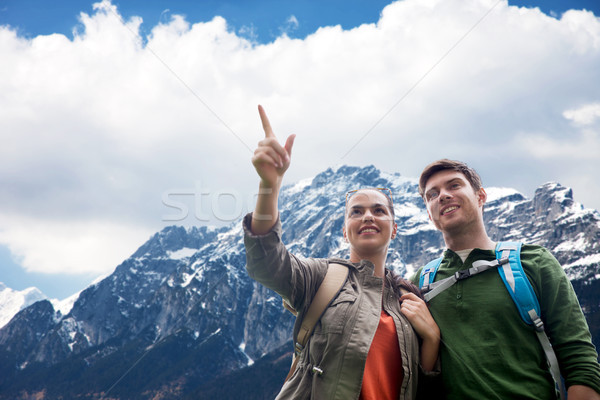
<point x="181" y="314"/>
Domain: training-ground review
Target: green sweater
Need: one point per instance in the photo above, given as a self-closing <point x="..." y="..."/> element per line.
<point x="488" y="352"/>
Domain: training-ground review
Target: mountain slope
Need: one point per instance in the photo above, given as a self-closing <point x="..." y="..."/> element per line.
<point x="180" y="316"/>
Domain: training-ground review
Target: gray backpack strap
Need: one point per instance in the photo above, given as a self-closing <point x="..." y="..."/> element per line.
<point x="438" y="287"/>
<point x="550" y="355"/>
<point x="328" y="290"/>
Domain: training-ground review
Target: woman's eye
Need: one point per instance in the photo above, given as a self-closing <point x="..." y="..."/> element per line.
<point x="380" y="211"/>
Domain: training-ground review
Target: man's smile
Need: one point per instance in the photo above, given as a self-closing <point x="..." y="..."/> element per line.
<point x="449" y="210"/>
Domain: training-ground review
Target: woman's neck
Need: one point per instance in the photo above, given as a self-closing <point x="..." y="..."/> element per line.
<point x="377" y="260"/>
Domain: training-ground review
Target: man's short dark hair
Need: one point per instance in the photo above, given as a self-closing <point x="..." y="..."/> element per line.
<point x="444" y="164"/>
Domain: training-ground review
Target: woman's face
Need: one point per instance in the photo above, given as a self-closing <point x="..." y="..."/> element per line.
<point x="369" y="224"/>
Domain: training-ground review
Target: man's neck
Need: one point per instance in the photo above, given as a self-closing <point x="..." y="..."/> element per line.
<point x="468" y="241"/>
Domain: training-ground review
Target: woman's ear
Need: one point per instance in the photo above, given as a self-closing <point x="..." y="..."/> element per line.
<point x="394" y="230"/>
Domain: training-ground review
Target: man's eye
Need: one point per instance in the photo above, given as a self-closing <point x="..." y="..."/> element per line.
<point x="432" y="195"/>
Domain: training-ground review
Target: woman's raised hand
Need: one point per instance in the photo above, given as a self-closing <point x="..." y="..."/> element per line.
<point x="271" y="159"/>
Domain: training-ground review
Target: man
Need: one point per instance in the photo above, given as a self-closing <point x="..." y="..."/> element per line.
<point x="488" y="351"/>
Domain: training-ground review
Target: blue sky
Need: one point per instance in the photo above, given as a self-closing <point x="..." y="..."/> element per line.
<point x="268" y="18"/>
<point x="105" y="129"/>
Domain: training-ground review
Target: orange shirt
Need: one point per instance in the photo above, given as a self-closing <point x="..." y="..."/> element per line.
<point x="383" y="374"/>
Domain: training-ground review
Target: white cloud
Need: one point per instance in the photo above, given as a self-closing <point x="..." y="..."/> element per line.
<point x="96" y="129"/>
<point x="249" y="32"/>
<point x="292" y="22"/>
<point x="583" y="146"/>
<point x="68" y="246"/>
<point x="585" y="115"/>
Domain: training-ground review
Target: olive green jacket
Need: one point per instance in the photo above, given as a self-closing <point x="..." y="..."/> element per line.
<point x="488" y="352"/>
<point x="331" y="365"/>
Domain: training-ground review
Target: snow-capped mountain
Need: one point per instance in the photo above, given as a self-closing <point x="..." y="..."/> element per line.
<point x="180" y="317"/>
<point x="12" y="301"/>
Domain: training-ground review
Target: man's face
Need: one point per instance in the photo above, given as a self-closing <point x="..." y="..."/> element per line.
<point x="452" y="204"/>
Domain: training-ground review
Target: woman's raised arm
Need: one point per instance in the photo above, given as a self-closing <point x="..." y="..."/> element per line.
<point x="270" y="160"/>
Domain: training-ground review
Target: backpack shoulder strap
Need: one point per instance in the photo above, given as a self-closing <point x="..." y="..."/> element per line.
<point x="328" y="290"/>
<point x="524" y="297"/>
<point x="516" y="281"/>
<point x="428" y="272"/>
<point x="430" y="289"/>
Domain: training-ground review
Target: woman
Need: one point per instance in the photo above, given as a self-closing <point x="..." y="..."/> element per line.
<point x="363" y="346"/>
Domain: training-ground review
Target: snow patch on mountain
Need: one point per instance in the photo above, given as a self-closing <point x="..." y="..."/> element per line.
<point x="299" y="186"/>
<point x="497" y="193"/>
<point x="243" y="350"/>
<point x="64" y="306"/>
<point x="580" y="243"/>
<point x="181" y="254"/>
<point x="584" y="261"/>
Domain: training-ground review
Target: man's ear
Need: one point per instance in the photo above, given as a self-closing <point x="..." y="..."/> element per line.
<point x="344" y="233"/>
<point x="482" y="196"/>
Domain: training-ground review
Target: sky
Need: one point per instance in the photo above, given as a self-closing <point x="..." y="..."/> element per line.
<point x="120" y="118"/>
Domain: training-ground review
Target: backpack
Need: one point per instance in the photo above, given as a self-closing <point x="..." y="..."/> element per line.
<point x="508" y="262"/>
<point x="328" y="290"/>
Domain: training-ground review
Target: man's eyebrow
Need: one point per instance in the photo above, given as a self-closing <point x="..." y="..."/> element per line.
<point x="448" y="182"/>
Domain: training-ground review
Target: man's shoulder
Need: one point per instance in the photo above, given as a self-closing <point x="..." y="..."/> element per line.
<point x="533" y="252"/>
<point x="532" y="247"/>
<point x="538" y="262"/>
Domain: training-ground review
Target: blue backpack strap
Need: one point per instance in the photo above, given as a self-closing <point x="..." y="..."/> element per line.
<point x="516" y="281"/>
<point x="428" y="273"/>
<point x="524" y="297"/>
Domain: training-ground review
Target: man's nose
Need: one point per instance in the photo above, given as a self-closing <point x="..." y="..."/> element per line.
<point x="444" y="195"/>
